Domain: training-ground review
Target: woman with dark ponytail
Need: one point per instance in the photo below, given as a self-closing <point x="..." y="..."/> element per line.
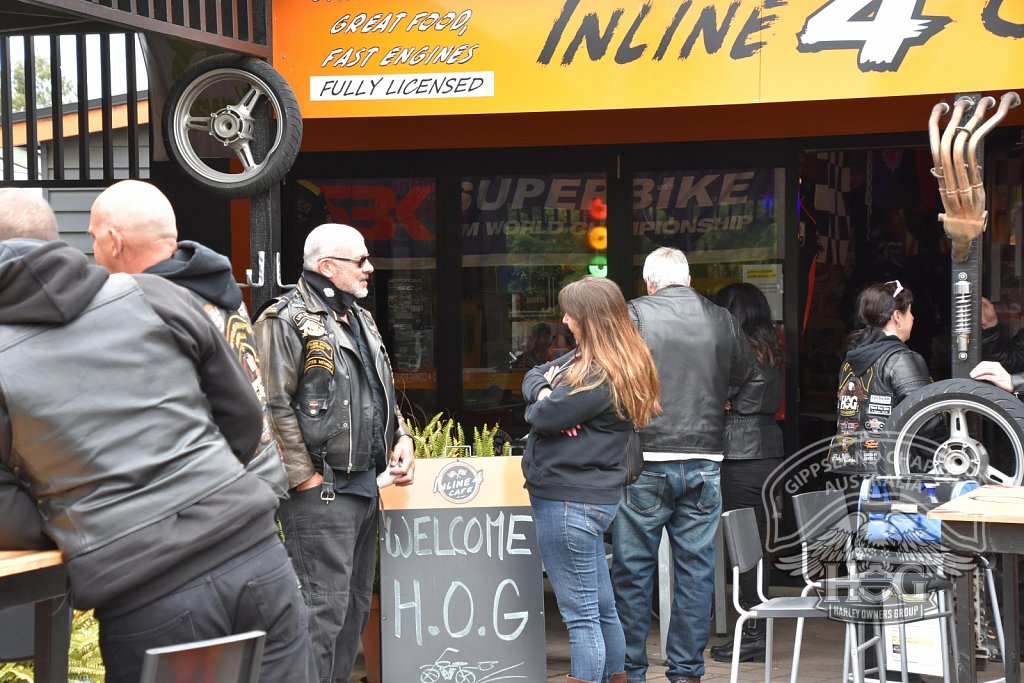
<point x="753" y="443"/>
<point x="878" y="372"/>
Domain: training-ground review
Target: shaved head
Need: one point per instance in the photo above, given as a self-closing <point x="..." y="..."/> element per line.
<point x="24" y="213"/>
<point x="133" y="227"/>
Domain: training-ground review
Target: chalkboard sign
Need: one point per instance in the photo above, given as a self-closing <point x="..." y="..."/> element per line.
<point x="461" y="592"/>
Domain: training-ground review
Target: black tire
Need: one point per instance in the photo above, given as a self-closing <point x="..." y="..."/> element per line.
<point x="995" y="416"/>
<point x="230" y="127"/>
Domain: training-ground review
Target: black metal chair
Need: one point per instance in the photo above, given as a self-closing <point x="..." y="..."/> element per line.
<point x="232" y="659"/>
<point x="820" y="515"/>
<point x="824" y="521"/>
<point x="744" y="545"/>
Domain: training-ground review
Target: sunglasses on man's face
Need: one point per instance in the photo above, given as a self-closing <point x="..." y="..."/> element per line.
<point x="358" y="262"/>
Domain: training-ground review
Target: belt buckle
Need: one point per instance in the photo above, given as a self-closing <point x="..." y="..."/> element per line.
<point x="327" y="492"/>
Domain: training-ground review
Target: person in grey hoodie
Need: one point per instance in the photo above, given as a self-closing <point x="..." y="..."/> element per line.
<point x="124" y="428"/>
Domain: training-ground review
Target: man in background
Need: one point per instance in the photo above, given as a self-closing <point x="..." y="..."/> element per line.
<point x="700" y="351"/>
<point x="124" y="425"/>
<point x="332" y="400"/>
<point x="26" y="214"/>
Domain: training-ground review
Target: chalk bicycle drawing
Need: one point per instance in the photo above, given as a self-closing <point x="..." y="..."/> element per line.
<point x="442" y="669"/>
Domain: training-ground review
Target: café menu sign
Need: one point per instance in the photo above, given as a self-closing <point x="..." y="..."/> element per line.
<point x="352" y="58"/>
<point x="461" y="582"/>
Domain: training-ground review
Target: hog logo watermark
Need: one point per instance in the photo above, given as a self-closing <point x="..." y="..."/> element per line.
<point x="878" y="596"/>
<point x="875" y="557"/>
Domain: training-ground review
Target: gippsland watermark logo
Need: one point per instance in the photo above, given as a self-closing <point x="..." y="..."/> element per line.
<point x="458" y="482"/>
<point x="868" y="546"/>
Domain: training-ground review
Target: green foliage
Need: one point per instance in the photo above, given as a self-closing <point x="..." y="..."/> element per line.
<point x="42" y="85"/>
<point x="440" y="434"/>
<point x="483" y="442"/>
<point x="85" y="664"/>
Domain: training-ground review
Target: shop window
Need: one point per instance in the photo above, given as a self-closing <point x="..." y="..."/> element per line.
<point x="728" y="222"/>
<point x="867" y="216"/>
<point x="398" y="220"/>
<point x="1004" y="281"/>
<point x="523" y="239"/>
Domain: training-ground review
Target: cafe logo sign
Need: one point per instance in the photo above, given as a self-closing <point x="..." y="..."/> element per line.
<point x="458" y="482"/>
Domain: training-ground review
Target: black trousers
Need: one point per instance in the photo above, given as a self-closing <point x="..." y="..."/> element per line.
<point x="256" y="590"/>
<point x="742" y="485"/>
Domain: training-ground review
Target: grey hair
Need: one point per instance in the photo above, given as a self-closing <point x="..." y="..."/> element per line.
<point x="666" y="266"/>
<point x="323" y="240"/>
<point x="24" y="213"/>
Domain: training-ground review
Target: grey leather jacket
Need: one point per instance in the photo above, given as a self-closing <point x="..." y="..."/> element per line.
<point x="143" y="466"/>
<point x="309" y="371"/>
<point x="700" y="351"/>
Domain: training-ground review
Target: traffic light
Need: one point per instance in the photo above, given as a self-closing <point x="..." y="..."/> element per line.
<point x="597" y="238"/>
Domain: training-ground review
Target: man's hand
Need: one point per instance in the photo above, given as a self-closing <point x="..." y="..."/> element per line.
<point x="316" y="480"/>
<point x="403" y="464"/>
<point x="990" y="371"/>
<point x="989" y="318"/>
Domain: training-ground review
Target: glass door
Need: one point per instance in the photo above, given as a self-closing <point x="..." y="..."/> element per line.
<point x="523" y="239"/>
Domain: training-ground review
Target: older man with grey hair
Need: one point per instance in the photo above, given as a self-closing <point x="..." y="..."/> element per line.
<point x="700" y="351"/>
<point x="26" y="214"/>
<point x="332" y="402"/>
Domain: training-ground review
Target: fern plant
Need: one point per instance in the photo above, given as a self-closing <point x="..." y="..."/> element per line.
<point x="440" y="434"/>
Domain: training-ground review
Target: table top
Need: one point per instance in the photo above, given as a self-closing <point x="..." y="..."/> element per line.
<point x="991" y="503"/>
<point x="21" y="561"/>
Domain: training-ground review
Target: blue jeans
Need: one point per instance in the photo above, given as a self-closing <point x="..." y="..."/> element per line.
<point x="684" y="497"/>
<point x="570" y="537"/>
<point x="255" y="590"/>
<point x="333" y="547"/>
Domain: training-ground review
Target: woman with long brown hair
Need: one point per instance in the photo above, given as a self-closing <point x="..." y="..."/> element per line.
<point x="582" y="408"/>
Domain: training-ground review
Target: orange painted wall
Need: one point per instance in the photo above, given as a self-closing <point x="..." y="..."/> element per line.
<point x="738" y="122"/>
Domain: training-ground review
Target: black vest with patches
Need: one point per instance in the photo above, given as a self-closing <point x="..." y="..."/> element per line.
<point x="863" y="404"/>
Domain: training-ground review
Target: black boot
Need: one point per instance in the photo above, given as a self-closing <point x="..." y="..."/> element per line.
<point x="752" y="644"/>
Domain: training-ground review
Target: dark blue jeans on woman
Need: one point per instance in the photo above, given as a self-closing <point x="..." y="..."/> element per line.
<point x="570" y="537"/>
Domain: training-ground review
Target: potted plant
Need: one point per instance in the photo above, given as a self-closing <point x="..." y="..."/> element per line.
<point x="446" y="438"/>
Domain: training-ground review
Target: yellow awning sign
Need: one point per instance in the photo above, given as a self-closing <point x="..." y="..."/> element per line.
<point x="406" y="57"/>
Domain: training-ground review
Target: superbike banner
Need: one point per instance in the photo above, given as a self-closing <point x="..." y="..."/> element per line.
<point x="415" y="57"/>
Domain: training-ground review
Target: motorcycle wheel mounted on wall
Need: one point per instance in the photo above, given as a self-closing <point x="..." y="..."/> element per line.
<point x="981" y="436"/>
<point x="242" y="89"/>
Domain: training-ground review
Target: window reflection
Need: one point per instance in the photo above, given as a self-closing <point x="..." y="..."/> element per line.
<point x="523" y="239"/>
<point x="398" y="220"/>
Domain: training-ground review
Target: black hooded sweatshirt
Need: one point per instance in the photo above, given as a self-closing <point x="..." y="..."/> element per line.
<point x="203" y="271"/>
<point x="862" y="357"/>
